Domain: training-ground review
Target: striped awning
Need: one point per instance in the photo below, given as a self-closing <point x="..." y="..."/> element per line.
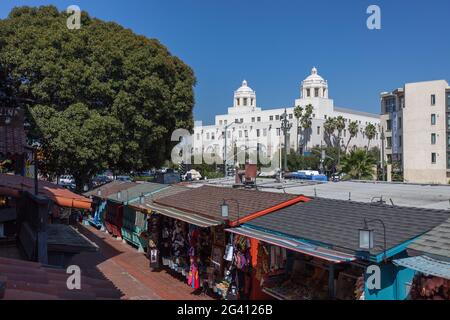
<point x="426" y="265"/>
<point x="188" y="217"/>
<point x="294" y="245"/>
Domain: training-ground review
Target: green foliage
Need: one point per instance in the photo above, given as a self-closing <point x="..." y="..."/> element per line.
<point x="359" y="164"/>
<point x="353" y="129"/>
<point x="370" y="131"/>
<point x="123" y="85"/>
<point x="300" y="162"/>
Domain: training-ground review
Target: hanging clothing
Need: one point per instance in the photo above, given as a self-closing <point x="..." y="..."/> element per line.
<point x="194" y="279"/>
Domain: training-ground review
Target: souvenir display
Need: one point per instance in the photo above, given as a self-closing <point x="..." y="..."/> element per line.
<point x="430" y="288"/>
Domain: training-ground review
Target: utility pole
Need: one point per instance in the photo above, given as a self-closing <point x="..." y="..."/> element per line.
<point x="225" y="159"/>
<point x="285" y="127"/>
<point x="382" y="154"/>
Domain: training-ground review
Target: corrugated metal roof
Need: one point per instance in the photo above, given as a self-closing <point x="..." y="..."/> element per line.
<point x="111" y="188"/>
<point x="436" y="242"/>
<point x="133" y="193"/>
<point x="294" y="244"/>
<point x="426" y="265"/>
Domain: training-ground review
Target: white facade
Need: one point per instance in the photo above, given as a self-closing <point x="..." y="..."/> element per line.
<point x="416" y="121"/>
<point x="248" y="125"/>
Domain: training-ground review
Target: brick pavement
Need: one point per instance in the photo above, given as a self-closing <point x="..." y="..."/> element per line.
<point x="129" y="270"/>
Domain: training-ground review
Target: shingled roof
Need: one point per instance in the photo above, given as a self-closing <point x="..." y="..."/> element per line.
<point x="335" y="223"/>
<point x="435" y="243"/>
<point x="207" y="200"/>
<point x="31" y="281"/>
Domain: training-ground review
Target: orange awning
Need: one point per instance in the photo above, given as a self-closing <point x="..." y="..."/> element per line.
<point x="11" y="185"/>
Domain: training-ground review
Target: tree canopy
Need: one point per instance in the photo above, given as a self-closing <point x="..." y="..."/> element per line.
<point x="98" y="97"/>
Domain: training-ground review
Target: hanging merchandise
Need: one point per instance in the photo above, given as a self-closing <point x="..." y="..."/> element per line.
<point x="229" y="253"/>
<point x="194" y="279"/>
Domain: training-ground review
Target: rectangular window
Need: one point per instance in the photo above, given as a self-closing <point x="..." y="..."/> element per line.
<point x="253" y="119"/>
<point x="316" y="92"/>
<point x="212" y="136"/>
<point x="220" y="122"/>
<point x="448" y="141"/>
<point x="433" y="119"/>
<point x="448" y="100"/>
<point x="291" y="116"/>
<point x="259" y="119"/>
<point x="236" y="120"/>
<point x="257" y="133"/>
<point x="226" y="122"/>
<point x="389" y="125"/>
<point x="277" y="117"/>
<point x="400" y="141"/>
<point x="271" y="118"/>
<point x="245" y="102"/>
<point x="278" y="132"/>
<point x="318" y="130"/>
<point x="433" y="138"/>
<point x="433" y="158"/>
<point x="242" y="120"/>
<point x="433" y="99"/>
<point x="308" y="93"/>
<point x="246" y="133"/>
<point x="400" y="122"/>
<point x="389" y="142"/>
<point x="448" y="160"/>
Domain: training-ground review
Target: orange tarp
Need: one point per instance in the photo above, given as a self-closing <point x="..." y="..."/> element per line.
<point x="11" y="185"/>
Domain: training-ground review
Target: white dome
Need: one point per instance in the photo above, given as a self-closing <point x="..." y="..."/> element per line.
<point x="314" y="86"/>
<point x="244" y="96"/>
<point x="245" y="88"/>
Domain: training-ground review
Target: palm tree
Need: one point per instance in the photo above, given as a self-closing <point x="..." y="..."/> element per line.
<point x="329" y="128"/>
<point x="370" y="132"/>
<point x="340" y="126"/>
<point x="359" y="164"/>
<point x="298" y="112"/>
<point x="306" y="121"/>
<point x="353" y="129"/>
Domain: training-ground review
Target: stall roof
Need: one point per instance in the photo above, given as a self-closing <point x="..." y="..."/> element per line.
<point x="12" y="185"/>
<point x="435" y="243"/>
<point x="31" y="281"/>
<point x="111" y="188"/>
<point x="161" y="193"/>
<point x="191" y="218"/>
<point x="133" y="193"/>
<point x="426" y="265"/>
<point x="207" y="201"/>
<point x="64" y="238"/>
<point x="294" y="245"/>
<point x="336" y="223"/>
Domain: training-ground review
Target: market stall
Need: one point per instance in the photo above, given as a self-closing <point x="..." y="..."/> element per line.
<point x="114" y="219"/>
<point x="289" y="269"/>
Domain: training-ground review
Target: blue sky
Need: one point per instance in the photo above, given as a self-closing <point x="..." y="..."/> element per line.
<point x="274" y="44"/>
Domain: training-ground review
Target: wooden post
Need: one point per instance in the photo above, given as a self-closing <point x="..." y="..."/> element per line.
<point x="331" y="293"/>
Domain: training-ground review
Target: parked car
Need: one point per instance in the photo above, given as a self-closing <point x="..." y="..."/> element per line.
<point x="66" y="180"/>
<point x="192" y="175"/>
<point x="124" y="178"/>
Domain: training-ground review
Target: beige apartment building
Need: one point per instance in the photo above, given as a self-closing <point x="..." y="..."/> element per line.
<point x="416" y="123"/>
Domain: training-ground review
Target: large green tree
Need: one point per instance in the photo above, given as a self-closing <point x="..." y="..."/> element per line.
<point x="81" y="84"/>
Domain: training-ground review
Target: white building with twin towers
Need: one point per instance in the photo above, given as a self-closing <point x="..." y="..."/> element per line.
<point x="249" y="127"/>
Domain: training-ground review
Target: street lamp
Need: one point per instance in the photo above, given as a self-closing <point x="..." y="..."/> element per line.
<point x="225" y="148"/>
<point x="225" y="209"/>
<point x="366" y="236"/>
<point x="286" y="126"/>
